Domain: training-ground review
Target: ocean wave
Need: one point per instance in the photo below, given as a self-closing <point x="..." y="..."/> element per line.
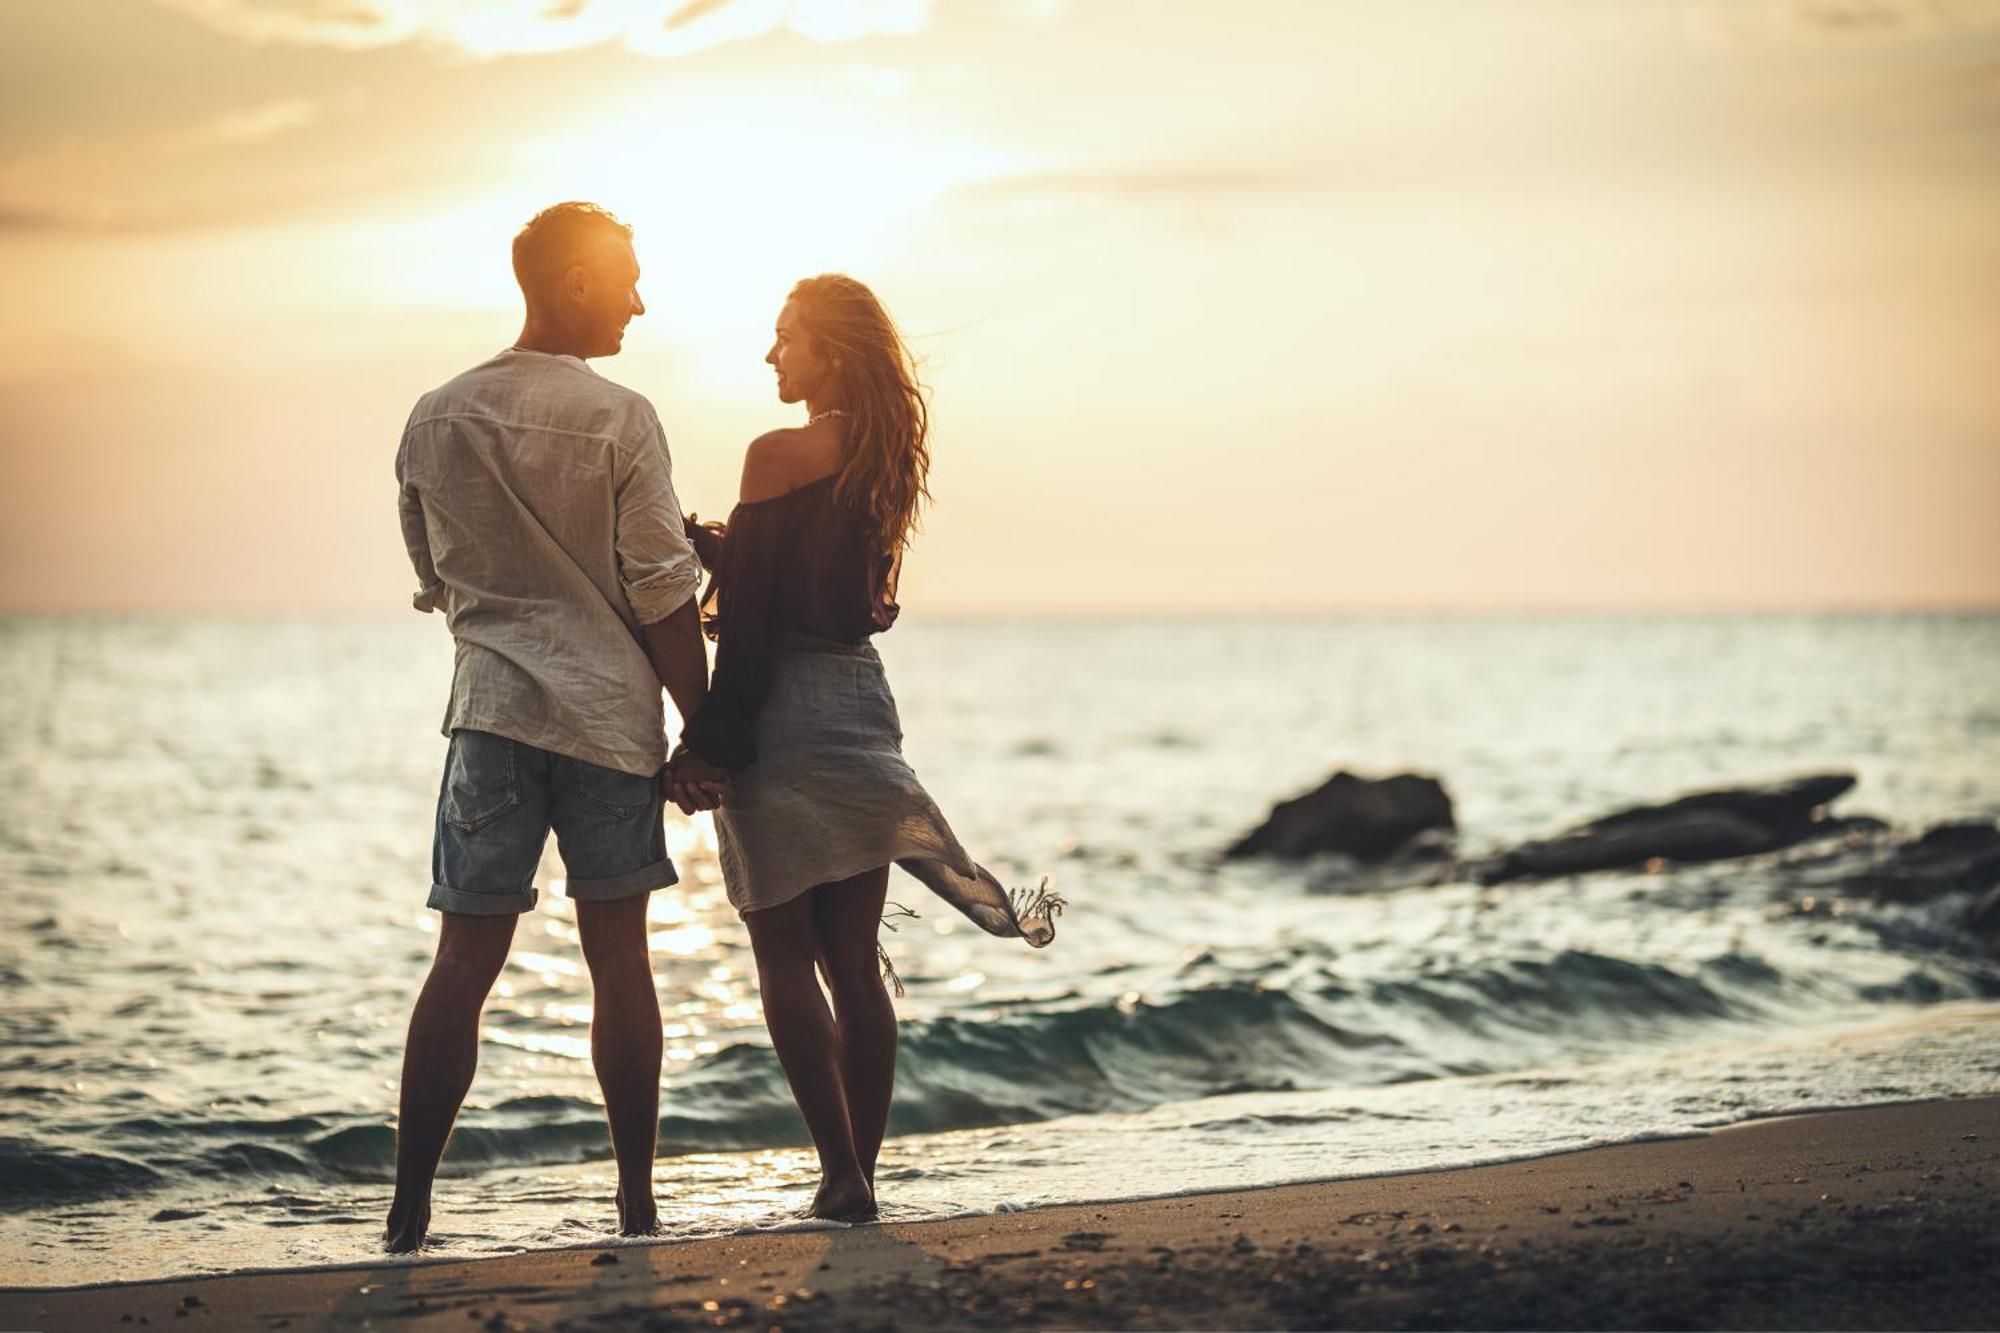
<point x="1299" y="1026"/>
<point x="38" y="1174"/>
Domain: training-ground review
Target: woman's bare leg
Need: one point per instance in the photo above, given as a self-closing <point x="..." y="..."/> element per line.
<point x="847" y="920"/>
<point x="803" y="1032"/>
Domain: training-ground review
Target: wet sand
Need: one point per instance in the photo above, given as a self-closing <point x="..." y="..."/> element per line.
<point x="1880" y="1218"/>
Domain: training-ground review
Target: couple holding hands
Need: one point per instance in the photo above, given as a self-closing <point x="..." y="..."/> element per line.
<point x="538" y="506"/>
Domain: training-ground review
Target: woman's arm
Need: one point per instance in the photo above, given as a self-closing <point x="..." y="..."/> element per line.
<point x="723" y="732"/>
<point x="708" y="540"/>
<point x="768" y="468"/>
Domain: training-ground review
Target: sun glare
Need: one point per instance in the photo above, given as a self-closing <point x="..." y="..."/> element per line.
<point x="726" y="216"/>
<point x="732" y="200"/>
<point x="730" y="214"/>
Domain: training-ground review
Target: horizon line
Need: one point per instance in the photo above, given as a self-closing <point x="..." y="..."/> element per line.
<point x="965" y="614"/>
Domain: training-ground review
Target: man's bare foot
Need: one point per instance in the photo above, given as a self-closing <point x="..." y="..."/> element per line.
<point x="638" y="1218"/>
<point x="844" y="1201"/>
<point x="408" y="1225"/>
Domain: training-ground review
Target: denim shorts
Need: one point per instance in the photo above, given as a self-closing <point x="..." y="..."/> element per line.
<point x="496" y="805"/>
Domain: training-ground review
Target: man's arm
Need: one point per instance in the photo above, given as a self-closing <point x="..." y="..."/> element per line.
<point x="416" y="537"/>
<point x="660" y="573"/>
<point x="674" y="647"/>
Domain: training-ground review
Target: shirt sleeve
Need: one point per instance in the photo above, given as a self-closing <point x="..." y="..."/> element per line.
<point x="416" y="537"/>
<point x="656" y="563"/>
<point x="723" y="729"/>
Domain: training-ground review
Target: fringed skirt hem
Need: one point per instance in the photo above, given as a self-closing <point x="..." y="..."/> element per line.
<point x="830" y="797"/>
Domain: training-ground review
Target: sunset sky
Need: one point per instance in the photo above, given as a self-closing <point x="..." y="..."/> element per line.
<point x="1300" y="307"/>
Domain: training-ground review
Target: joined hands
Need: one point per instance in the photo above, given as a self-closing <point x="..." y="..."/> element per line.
<point x="692" y="783"/>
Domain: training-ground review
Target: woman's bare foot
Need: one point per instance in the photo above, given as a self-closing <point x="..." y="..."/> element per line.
<point x="409" y="1223"/>
<point x="641" y="1217"/>
<point x="849" y="1200"/>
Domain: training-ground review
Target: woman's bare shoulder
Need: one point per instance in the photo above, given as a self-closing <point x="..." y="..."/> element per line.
<point x="779" y="461"/>
<point x="771" y="465"/>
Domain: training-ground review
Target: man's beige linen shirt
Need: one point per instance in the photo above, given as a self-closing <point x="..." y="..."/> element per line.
<point x="538" y="506"/>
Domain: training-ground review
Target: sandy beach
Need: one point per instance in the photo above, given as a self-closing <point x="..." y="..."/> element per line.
<point x="1877" y="1218"/>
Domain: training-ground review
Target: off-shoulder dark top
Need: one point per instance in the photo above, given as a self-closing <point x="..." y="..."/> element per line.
<point x="795" y="563"/>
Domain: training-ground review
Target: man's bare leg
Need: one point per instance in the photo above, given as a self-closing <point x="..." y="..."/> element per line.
<point x="438" y="1060"/>
<point x="625" y="1047"/>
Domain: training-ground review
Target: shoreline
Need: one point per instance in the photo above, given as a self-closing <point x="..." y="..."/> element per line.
<point x="1881" y="1216"/>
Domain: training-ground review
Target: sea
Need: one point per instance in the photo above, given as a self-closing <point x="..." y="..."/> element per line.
<point x="214" y="853"/>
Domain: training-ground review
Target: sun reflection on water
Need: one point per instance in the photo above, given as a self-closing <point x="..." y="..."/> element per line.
<point x="682" y="941"/>
<point x="543" y="1005"/>
<point x="538" y="1043"/>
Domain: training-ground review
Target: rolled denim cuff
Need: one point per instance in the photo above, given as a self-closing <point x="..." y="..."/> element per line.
<point x="446" y="899"/>
<point x="659" y="875"/>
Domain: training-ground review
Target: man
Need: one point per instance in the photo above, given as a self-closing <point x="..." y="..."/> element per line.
<point x="538" y="507"/>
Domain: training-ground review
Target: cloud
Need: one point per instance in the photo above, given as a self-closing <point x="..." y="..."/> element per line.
<point x="256" y="124"/>
<point x="1170" y="182"/>
<point x="487" y="28"/>
<point x="127" y="180"/>
<point x="1314" y="173"/>
<point x="26" y="219"/>
<point x="1760" y="23"/>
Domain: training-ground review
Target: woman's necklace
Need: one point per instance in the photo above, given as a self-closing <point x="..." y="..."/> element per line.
<point x="818" y="417"/>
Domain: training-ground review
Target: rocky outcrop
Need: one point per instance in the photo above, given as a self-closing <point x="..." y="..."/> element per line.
<point x="1951" y="858"/>
<point x="1701" y="826"/>
<point x="1984" y="919"/>
<point x="1362" y="817"/>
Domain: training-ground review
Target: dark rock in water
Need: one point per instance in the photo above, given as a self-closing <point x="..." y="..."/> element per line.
<point x="1951" y="858"/>
<point x="1822" y="864"/>
<point x="1701" y="826"/>
<point x="1787" y="809"/>
<point x="1689" y="835"/>
<point x="1365" y="818"/>
<point x="1984" y="920"/>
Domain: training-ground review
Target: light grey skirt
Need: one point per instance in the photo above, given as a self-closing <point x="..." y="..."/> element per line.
<point x="830" y="796"/>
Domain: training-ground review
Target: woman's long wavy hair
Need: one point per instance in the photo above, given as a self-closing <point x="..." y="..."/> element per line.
<point x="888" y="439"/>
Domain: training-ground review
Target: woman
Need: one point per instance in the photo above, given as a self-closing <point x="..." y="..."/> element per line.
<point x="818" y="801"/>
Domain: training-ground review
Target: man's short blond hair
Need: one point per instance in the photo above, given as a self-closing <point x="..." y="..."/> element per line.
<point x="559" y="236"/>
